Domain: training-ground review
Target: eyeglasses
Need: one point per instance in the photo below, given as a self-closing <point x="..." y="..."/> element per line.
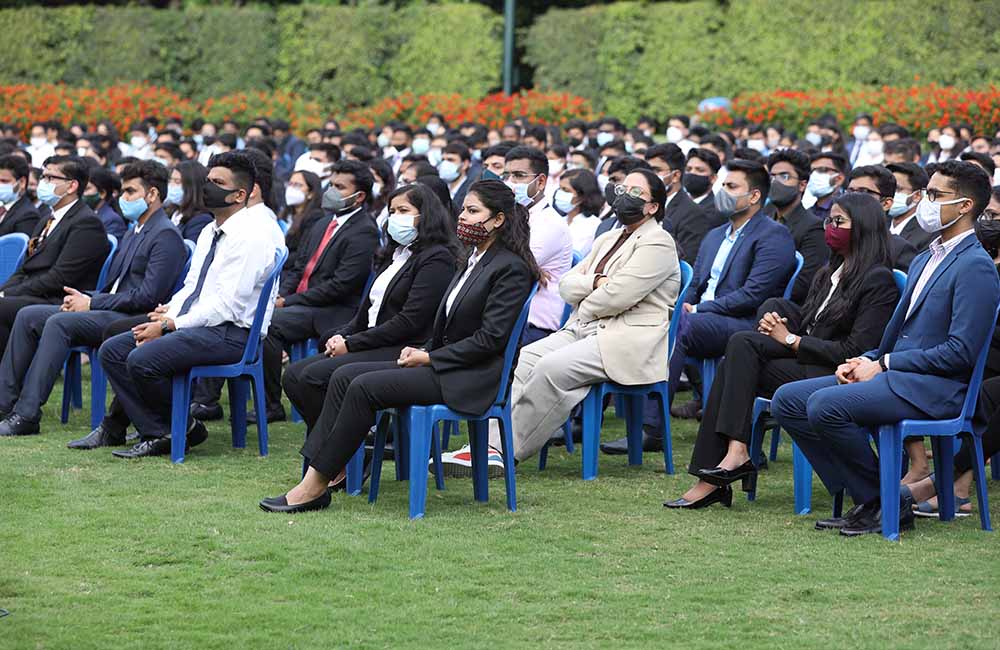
<point x="784" y="177"/>
<point x="634" y="192"/>
<point x="52" y="177"/>
<point x="826" y="170"/>
<point x="934" y="195"/>
<point x="865" y="190"/>
<point x="836" y="222"/>
<point x="518" y="177"/>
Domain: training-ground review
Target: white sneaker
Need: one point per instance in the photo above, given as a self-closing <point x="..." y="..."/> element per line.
<point x="458" y="464"/>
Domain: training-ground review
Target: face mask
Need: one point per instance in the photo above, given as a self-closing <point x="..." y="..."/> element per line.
<point x="929" y="214"/>
<point x="382" y="140"/>
<point x="47" y="193"/>
<point x="8" y="193"/>
<point x="132" y="210"/>
<point x="390" y="152"/>
<point x="674" y="134"/>
<point x="609" y="193"/>
<point x="988" y="234"/>
<point x="947" y="142"/>
<point x="215" y="196"/>
<point x="725" y="203"/>
<point x="629" y="147"/>
<point x="873" y="148"/>
<point x="629" y="209"/>
<point x="521" y="192"/>
<point x="489" y="175"/>
<point x="138" y="141"/>
<point x="82" y="151"/>
<point x="294" y="196"/>
<point x="472" y="234"/>
<point x="477" y="154"/>
<point x="815" y="139"/>
<point x="434" y="156"/>
<point x="161" y="161"/>
<point x="756" y="145"/>
<point x="575" y="142"/>
<point x="421" y="146"/>
<point x="820" y="185"/>
<point x="376" y="190"/>
<point x="401" y="229"/>
<point x="175" y="194"/>
<point x="774" y="143"/>
<point x="838" y="239"/>
<point x="861" y="132"/>
<point x="899" y="204"/>
<point x="433" y="127"/>
<point x="556" y="167"/>
<point x="696" y="184"/>
<point x="334" y="201"/>
<point x="603" y="181"/>
<point x="448" y="170"/>
<point x="648" y="133"/>
<point x="783" y="195"/>
<point x="38" y="141"/>
<point x="92" y="199"/>
<point x="199" y="139"/>
<point x="563" y="202"/>
<point x="604" y="137"/>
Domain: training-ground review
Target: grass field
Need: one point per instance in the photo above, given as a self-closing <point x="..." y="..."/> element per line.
<point x="103" y="553"/>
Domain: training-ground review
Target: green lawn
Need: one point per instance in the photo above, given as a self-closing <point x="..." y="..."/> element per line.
<point x="97" y="552"/>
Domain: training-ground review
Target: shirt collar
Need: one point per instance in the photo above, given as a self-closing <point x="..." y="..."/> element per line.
<point x="733" y="235"/>
<point x="61" y="212"/>
<point x="538" y="208"/>
<point x="938" y="248"/>
<point x="670" y="198"/>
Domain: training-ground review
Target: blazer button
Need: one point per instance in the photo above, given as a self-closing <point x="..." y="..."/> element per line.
<point x="601" y="325"/>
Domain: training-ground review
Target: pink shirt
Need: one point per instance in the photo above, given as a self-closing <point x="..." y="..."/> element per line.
<point x="552" y="245"/>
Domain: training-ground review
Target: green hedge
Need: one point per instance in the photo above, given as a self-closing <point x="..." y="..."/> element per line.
<point x="339" y="56"/>
<point x="632" y="58"/>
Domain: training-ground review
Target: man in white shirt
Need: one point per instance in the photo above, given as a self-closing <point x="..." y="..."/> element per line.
<point x="207" y="322"/>
<point x="39" y="148"/>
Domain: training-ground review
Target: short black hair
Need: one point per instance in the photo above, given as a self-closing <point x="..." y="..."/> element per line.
<point x="73" y="168"/>
<point x="500" y="149"/>
<point x="16" y="165"/>
<point x="657" y="190"/>
<point x="538" y="133"/>
<point x="614" y="122"/>
<point x="746" y="153"/>
<point x="538" y="161"/>
<point x="242" y="166"/>
<point x="918" y="177"/>
<point x="404" y="128"/>
<point x="360" y="172"/>
<point x="756" y="173"/>
<point x="331" y="150"/>
<point x="884" y="180"/>
<point x="683" y="119"/>
<point x="108" y="182"/>
<point x="839" y="161"/>
<point x="798" y="160"/>
<point x="151" y="174"/>
<point x="458" y="147"/>
<point x="669" y="153"/>
<point x="984" y="159"/>
<point x="627" y="164"/>
<point x="227" y="139"/>
<point x="891" y="128"/>
<point x="908" y="147"/>
<point x="591" y="158"/>
<point x="969" y="181"/>
<point x="707" y="156"/>
<point x="264" y="168"/>
<point x="173" y="149"/>
<point x="617" y="145"/>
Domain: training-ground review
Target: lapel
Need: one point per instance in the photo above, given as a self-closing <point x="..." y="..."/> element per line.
<point x="403" y="271"/>
<point x="132" y="246"/>
<point x="748" y="228"/>
<point x="938" y="272"/>
<point x="55" y="232"/>
<point x="339" y="233"/>
<point x="629" y="246"/>
<point x="476" y="272"/>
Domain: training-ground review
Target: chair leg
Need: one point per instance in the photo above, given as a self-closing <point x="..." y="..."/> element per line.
<point x="802" y="477"/>
<point x="382" y="425"/>
<point x="979" y="472"/>
<point x="67" y="400"/>
<point x="775" y="441"/>
<point x="621" y="410"/>
<point x="77" y="384"/>
<point x="507" y="442"/>
<point x="944" y="475"/>
<point x="756" y="440"/>
<point x="238" y="410"/>
<point x="543" y="457"/>
<point x="479" y="444"/>
<point x="707" y="377"/>
<point x="416" y="420"/>
<point x="98" y="390"/>
<point x="838" y="503"/>
<point x="450" y="429"/>
<point x="260" y="405"/>
<point x="593" y="405"/>
<point x="436" y="457"/>
<point x="668" y="444"/>
<point x="402" y="449"/>
<point x="890" y="447"/>
<point x="180" y="404"/>
<point x="355" y="471"/>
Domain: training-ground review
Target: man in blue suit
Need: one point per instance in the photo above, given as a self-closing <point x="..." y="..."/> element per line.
<point x="923" y="364"/>
<point x="142" y="275"/>
<point x="739" y="266"/>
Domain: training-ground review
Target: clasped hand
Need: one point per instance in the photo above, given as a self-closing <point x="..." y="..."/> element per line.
<point x="413" y="358"/>
<point x="336" y="345"/>
<point x="75" y="300"/>
<point x="774" y="326"/>
<point x="858" y="369"/>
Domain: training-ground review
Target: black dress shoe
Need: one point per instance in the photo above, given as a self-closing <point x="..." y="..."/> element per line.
<point x="149" y="447"/>
<point x="869" y="520"/>
<point x="196" y="434"/>
<point x="99" y="437"/>
<point x="131" y="436"/>
<point x="365" y="474"/>
<point x="719" y="476"/>
<point x="723" y="495"/>
<point x="206" y="412"/>
<point x="836" y="523"/>
<point x="620" y="447"/>
<point x="276" y="415"/>
<point x="280" y="504"/>
<point x="688" y="411"/>
<point x="15" y="425"/>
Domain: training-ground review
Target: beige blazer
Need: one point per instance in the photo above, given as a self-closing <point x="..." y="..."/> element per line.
<point x="633" y="308"/>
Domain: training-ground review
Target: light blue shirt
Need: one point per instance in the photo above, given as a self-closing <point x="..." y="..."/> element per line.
<point x="720" y="260"/>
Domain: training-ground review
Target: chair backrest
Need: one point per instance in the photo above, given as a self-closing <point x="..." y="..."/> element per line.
<point x="12" y="250"/>
<point x="252" y="350"/>
<point x="103" y="277"/>
<point x="189" y="246"/>
<point x="568" y="309"/>
<point x="577" y="257"/>
<point x="687" y="273"/>
<point x="900" y="279"/>
<point x="976" y="381"/>
<point x="799" y="261"/>
<point x="284" y="225"/>
<point x="512" y="346"/>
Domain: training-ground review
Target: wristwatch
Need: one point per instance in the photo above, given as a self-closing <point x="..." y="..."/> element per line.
<point x="163" y="327"/>
<point x="881" y="364"/>
<point x="790" y="340"/>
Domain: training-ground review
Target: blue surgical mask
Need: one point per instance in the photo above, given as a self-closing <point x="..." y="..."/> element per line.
<point x="175" y="194"/>
<point x="604" y="137"/>
<point x="8" y="193"/>
<point x="401" y="229"/>
<point x="563" y="201"/>
<point x="448" y="171"/>
<point x="521" y="192"/>
<point x="199" y="139"/>
<point x="47" y="193"/>
<point x="820" y="184"/>
<point x="814" y="138"/>
<point x="132" y="210"/>
<point x="420" y="146"/>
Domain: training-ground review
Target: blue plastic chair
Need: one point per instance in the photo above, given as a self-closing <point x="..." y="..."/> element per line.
<point x="284" y="225"/>
<point x="416" y="439"/>
<point x="12" y="250"/>
<point x="73" y="371"/>
<point x="249" y="368"/>
<point x="709" y="366"/>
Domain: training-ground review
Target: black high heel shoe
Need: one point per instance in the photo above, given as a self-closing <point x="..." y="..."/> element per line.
<point x="723" y="495"/>
<point x="746" y="472"/>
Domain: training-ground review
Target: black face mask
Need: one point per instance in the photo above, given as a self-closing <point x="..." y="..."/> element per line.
<point x="988" y="234"/>
<point x="575" y="142"/>
<point x="696" y="184"/>
<point x="629" y="209"/>
<point x="215" y="196"/>
<point x="783" y="195"/>
<point x="609" y="193"/>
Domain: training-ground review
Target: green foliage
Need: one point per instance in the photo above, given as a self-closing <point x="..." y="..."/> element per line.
<point x="632" y="58"/>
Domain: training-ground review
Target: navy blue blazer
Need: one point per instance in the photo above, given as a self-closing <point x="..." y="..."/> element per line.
<point x="758" y="267"/>
<point x="932" y="353"/>
<point x="191" y="228"/>
<point x="149" y="265"/>
<point x="114" y="223"/>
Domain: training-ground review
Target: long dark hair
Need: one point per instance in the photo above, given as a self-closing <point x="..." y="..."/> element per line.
<point x="515" y="233"/>
<point x="382" y="171"/>
<point x="193" y="177"/>
<point x="584" y="182"/>
<point x="869" y="250"/>
<point x="310" y="205"/>
<point x="435" y="225"/>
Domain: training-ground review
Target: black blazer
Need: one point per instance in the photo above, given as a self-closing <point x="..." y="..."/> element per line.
<point x="467" y="346"/>
<point x="463" y="189"/>
<point x="343" y="268"/>
<point x="408" y="306"/>
<point x="901" y="252"/>
<point x="919" y="238"/>
<point x="807" y="231"/>
<point x="687" y="223"/>
<point x="293" y="239"/>
<point x="71" y="256"/>
<point x="707" y="205"/>
<point x="149" y="267"/>
<point x="22" y="217"/>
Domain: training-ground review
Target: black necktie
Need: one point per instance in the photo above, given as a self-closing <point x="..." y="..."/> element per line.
<point x="201" y="276"/>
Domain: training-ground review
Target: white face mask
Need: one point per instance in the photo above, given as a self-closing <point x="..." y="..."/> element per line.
<point x="602" y="181"/>
<point x="929" y="214"/>
<point x="820" y="184"/>
<point x="138" y="141"/>
<point x="814" y="139"/>
<point x="674" y="134"/>
<point x="861" y="132"/>
<point x="38" y="141"/>
<point x="996" y="177"/>
<point x="556" y="167"/>
<point x="874" y="148"/>
<point x="900" y="204"/>
<point x="947" y="142"/>
<point x="757" y="145"/>
<point x="294" y="196"/>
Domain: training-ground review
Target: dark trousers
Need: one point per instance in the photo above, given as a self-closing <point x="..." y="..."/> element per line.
<point x="8" y="312"/>
<point x="142" y="375"/>
<point x="115" y="418"/>
<point x="532" y="334"/>
<point x="755" y="365"/>
<point x="306" y="381"/>
<point x="39" y="342"/>
<point x="831" y="423"/>
<point x="356" y="393"/>
<point x="988" y="414"/>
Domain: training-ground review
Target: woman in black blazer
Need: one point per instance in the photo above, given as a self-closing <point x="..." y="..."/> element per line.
<point x="844" y="315"/>
<point x="303" y="199"/>
<point x="414" y="270"/>
<point x="185" y="202"/>
<point x="463" y="360"/>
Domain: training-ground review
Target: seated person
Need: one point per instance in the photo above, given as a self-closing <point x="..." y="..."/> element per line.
<point x="102" y="196"/>
<point x="208" y="321"/>
<point x="911" y="180"/>
<point x="464" y="359"/>
<point x="414" y="271"/>
<point x="17" y="213"/>
<point x="303" y="196"/>
<point x="921" y="368"/>
<point x="185" y="204"/>
<point x="844" y="315"/>
<point x="624" y="290"/>
<point x="879" y="182"/>
<point x="67" y="249"/>
<point x="828" y="171"/>
<point x="739" y="266"/>
<point x="701" y="171"/>
<point x="684" y="218"/>
<point x="617" y="170"/>
<point x="579" y="201"/>
<point x="142" y="275"/>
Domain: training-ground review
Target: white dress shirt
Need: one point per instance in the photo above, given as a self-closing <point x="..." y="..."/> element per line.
<point x="262" y="209"/>
<point x="834" y="281"/>
<point x="381" y="283"/>
<point x="582" y="230"/>
<point x="896" y="230"/>
<point x="244" y="256"/>
<point x="57" y="217"/>
<point x="552" y="245"/>
<point x="476" y="256"/>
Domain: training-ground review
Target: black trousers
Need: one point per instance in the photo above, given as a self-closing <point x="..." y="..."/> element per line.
<point x="306" y="381"/>
<point x="755" y="366"/>
<point x="356" y="393"/>
<point x="988" y="412"/>
<point x="8" y="312"/>
<point x="115" y="418"/>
